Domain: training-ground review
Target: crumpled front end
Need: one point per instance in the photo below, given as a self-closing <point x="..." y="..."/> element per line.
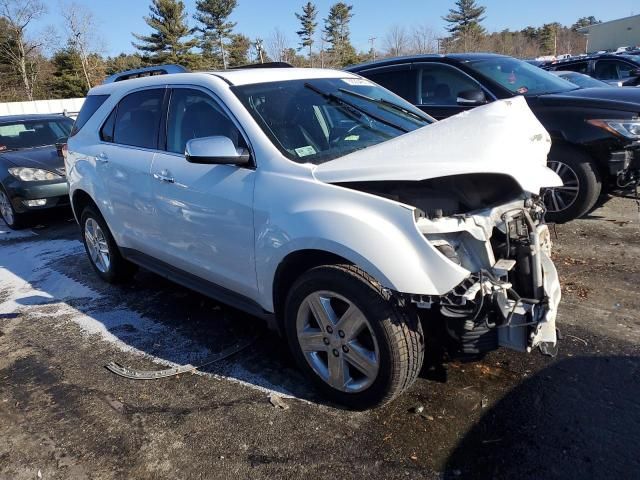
<point x="511" y="295"/>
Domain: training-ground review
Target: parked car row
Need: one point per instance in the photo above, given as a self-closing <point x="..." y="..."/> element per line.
<point x="615" y="69"/>
<point x="347" y="216"/>
<point x="595" y="131"/>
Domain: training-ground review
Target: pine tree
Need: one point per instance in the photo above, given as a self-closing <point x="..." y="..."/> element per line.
<point x="308" y="26"/>
<point x="238" y="50"/>
<point x="464" y="22"/>
<point x="68" y="80"/>
<point x="336" y="31"/>
<point x="215" y="29"/>
<point x="168" y="43"/>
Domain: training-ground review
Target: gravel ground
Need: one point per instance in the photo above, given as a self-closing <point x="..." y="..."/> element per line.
<point x="64" y="416"/>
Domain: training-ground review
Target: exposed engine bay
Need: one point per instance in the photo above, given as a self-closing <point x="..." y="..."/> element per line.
<point x="486" y="224"/>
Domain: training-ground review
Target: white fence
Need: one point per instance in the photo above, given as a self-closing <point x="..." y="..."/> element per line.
<point x="69" y="105"/>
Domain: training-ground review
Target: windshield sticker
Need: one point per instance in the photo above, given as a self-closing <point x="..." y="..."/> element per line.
<point x="352" y="138"/>
<point x="357" y="82"/>
<point x="304" y="151"/>
<point x="522" y="90"/>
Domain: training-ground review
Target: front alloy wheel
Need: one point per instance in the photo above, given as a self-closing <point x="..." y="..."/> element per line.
<point x="337" y="341"/>
<point x="8" y="214"/>
<point x="353" y="342"/>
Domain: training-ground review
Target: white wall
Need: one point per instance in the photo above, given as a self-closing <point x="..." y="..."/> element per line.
<point x="70" y="105"/>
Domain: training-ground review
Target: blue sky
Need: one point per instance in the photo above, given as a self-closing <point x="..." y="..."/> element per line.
<point x="116" y="19"/>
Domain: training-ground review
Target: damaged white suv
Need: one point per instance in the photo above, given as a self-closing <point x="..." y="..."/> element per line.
<point x="328" y="206"/>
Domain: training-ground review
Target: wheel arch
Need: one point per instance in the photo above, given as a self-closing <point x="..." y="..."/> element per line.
<point x="80" y="199"/>
<point x="291" y="267"/>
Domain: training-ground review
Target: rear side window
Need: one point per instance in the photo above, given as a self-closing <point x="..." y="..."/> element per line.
<point x="137" y="120"/>
<point x="91" y="104"/>
<point x="580" y="67"/>
<point x="401" y="81"/>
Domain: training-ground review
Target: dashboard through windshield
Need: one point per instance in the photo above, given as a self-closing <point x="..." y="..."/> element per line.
<point x="317" y="120"/>
<point x="521" y="78"/>
<point x="18" y="135"/>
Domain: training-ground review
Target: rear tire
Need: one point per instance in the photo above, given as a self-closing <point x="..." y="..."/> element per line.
<point x="582" y="184"/>
<point x="102" y="250"/>
<point x="358" y="327"/>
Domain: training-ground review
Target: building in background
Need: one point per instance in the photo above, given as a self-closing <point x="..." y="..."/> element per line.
<point x="624" y="32"/>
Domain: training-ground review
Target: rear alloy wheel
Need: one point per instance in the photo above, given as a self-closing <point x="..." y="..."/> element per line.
<point x="102" y="249"/>
<point x="582" y="185"/>
<point x="13" y="219"/>
<point x="355" y="345"/>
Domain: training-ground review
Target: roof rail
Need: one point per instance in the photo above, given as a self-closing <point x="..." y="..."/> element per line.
<point x="145" y="72"/>
<point x="264" y="65"/>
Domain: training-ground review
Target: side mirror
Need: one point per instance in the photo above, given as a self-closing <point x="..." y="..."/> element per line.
<point x="60" y="145"/>
<point x="215" y="150"/>
<point x="471" y="97"/>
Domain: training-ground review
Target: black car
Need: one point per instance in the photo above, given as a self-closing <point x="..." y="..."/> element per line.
<point x="616" y="69"/>
<point x="595" y="131"/>
<point x="32" y="175"/>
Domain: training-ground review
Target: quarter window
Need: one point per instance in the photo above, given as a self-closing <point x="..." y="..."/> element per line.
<point x="194" y="114"/>
<point x="440" y="84"/>
<point x="91" y="104"/>
<point x="138" y="119"/>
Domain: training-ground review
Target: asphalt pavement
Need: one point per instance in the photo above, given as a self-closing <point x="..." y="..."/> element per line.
<point x="63" y="415"/>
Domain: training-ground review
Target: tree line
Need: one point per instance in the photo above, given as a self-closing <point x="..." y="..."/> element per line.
<point x="67" y="63"/>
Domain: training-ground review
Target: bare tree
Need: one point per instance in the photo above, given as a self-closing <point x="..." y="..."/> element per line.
<point x="17" y="48"/>
<point x="424" y="40"/>
<point x="81" y="36"/>
<point x="396" y="41"/>
<point x="278" y="46"/>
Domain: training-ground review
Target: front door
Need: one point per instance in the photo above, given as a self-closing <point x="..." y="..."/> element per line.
<point x="204" y="212"/>
<point x="442" y="89"/>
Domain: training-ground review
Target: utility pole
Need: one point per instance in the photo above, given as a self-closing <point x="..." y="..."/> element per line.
<point x="322" y="52"/>
<point x="372" y="41"/>
<point x="259" y="49"/>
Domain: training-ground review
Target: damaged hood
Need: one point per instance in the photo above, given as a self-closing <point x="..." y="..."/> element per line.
<point x="501" y="137"/>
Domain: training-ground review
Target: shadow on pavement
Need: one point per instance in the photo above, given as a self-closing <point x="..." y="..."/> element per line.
<point x="579" y="418"/>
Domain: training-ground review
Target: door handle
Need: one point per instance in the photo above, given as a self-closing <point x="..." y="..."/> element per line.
<point x="102" y="157"/>
<point x="164" y="177"/>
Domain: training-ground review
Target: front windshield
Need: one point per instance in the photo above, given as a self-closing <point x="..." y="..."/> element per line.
<point x="18" y="135"/>
<point x="317" y="120"/>
<point x="519" y="77"/>
<point x="583" y="81"/>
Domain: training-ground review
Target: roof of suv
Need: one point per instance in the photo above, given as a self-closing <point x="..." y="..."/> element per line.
<point x="232" y="77"/>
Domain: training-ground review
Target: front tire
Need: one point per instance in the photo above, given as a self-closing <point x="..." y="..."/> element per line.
<point x="102" y="250"/>
<point x="582" y="184"/>
<point x="357" y="347"/>
<point x="13" y="219"/>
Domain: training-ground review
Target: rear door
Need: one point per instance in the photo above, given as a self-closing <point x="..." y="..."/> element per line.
<point x="204" y="213"/>
<point x="129" y="140"/>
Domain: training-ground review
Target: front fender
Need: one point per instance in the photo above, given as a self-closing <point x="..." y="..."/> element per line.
<point x="376" y="234"/>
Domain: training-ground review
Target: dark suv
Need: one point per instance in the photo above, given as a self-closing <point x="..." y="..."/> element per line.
<point x="619" y="70"/>
<point x="595" y="131"/>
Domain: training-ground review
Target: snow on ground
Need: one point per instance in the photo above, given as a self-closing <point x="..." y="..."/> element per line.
<point x="7" y="234"/>
<point x="29" y="284"/>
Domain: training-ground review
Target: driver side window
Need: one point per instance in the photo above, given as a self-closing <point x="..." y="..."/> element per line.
<point x="194" y="114"/>
<point x="440" y="84"/>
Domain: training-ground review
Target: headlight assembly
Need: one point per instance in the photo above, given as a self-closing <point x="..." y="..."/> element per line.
<point x="33" y="174"/>
<point x="624" y="128"/>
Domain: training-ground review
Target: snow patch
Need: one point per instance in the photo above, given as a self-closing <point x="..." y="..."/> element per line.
<point x="29" y="283"/>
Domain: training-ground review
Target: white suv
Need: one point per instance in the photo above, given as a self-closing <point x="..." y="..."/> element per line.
<point x="328" y="206"/>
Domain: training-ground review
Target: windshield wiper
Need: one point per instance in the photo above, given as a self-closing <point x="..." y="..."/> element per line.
<point x="389" y="104"/>
<point x="348" y="104"/>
